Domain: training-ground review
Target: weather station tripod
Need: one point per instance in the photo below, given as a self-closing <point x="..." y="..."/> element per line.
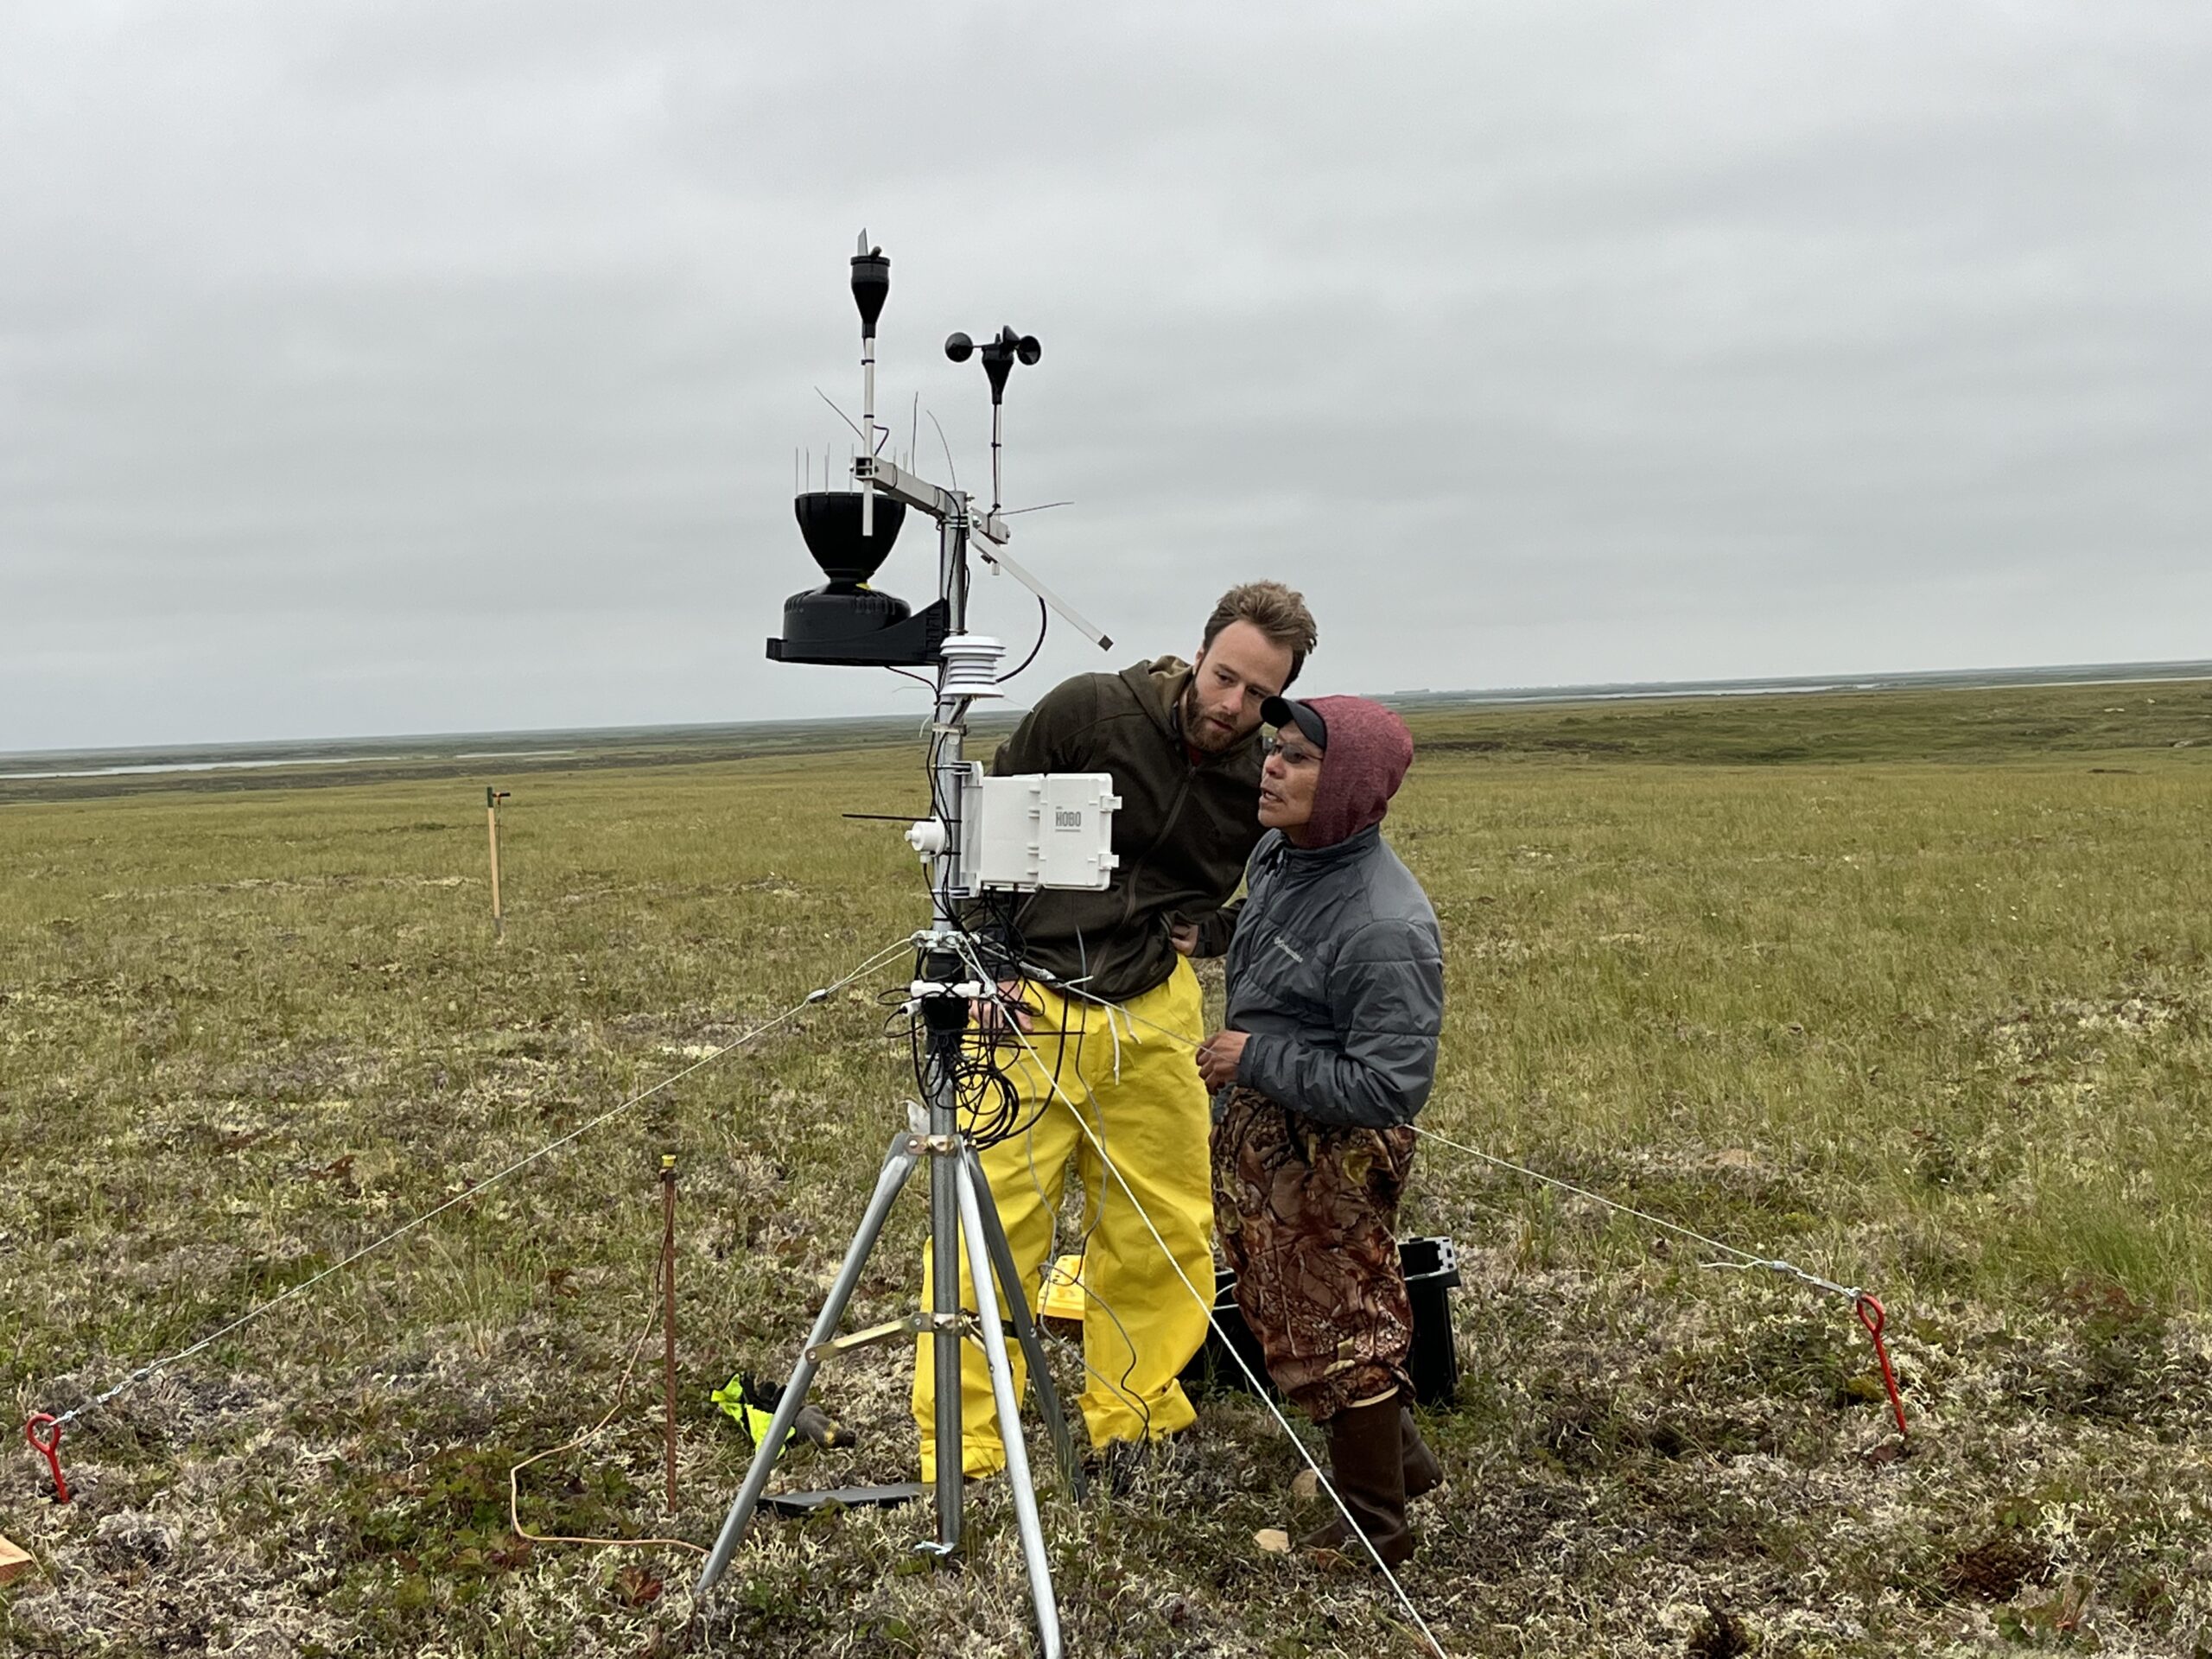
<point x="960" y="1212"/>
<point x="1002" y="834"/>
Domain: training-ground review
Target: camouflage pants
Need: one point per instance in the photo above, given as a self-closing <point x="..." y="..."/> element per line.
<point x="1307" y="1216"/>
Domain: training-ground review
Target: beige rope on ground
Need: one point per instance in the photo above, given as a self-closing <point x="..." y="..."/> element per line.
<point x="514" y="1475"/>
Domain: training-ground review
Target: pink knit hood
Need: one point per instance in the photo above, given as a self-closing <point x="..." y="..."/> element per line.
<point x="1365" y="762"/>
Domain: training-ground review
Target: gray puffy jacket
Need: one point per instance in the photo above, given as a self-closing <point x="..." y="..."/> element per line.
<point x="1337" y="971"/>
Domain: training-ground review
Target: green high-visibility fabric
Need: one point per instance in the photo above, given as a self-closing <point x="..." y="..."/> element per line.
<point x="735" y="1403"/>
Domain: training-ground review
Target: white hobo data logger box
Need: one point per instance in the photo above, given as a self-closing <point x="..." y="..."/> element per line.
<point x="1038" y="829"/>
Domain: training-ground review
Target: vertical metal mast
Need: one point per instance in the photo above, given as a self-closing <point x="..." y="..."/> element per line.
<point x="961" y="1206"/>
<point x="945" y="1022"/>
<point x="871" y="287"/>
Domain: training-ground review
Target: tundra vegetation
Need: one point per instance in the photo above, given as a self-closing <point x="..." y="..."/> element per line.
<point x="1911" y="989"/>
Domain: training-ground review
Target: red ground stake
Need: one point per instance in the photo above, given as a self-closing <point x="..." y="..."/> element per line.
<point x="1859" y="1303"/>
<point x="50" y="1449"/>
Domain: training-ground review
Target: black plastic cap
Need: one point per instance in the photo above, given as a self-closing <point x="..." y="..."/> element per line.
<point x="1280" y="712"/>
<point x="871" y="288"/>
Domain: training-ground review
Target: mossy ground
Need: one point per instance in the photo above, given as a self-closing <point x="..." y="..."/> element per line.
<point x="1913" y="989"/>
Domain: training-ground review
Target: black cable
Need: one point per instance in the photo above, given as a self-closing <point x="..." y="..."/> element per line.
<point x="1094" y="1206"/>
<point x="988" y="1101"/>
<point x="1044" y="627"/>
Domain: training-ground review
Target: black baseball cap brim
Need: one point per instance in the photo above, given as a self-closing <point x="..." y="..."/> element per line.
<point x="1288" y="711"/>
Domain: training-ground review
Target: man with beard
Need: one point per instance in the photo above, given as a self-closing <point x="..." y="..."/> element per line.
<point x="1181" y="741"/>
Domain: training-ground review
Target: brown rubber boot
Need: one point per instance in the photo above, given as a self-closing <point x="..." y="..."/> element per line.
<point x="1367" y="1467"/>
<point x="1423" y="1472"/>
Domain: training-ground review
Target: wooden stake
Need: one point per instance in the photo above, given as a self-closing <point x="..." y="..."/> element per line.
<point x="491" y="800"/>
<point x="667" y="1316"/>
<point x="14" y="1562"/>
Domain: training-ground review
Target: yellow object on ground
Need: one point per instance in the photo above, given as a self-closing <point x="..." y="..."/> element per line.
<point x="739" y="1403"/>
<point x="1064" y="1298"/>
<point x="1133" y="1078"/>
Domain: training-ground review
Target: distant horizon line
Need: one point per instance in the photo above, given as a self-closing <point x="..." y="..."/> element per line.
<point x="1990" y="678"/>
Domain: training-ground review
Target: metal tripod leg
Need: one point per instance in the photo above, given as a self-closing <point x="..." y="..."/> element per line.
<point x="944" y="1340"/>
<point x="1017" y="1455"/>
<point x="1025" y="1329"/>
<point x="898" y="1164"/>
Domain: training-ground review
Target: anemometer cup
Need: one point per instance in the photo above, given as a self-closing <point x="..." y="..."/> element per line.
<point x="999" y="354"/>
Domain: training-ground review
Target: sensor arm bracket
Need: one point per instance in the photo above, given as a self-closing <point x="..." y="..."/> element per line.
<point x="940" y="504"/>
<point x="990" y="529"/>
<point x="998" y="558"/>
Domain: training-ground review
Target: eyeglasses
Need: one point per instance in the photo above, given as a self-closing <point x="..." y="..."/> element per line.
<point x="1292" y="755"/>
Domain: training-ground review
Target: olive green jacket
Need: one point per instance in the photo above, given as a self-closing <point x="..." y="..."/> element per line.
<point x="1183" y="833"/>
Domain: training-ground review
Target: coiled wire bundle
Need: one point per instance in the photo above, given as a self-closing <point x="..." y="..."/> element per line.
<point x="976" y="1064"/>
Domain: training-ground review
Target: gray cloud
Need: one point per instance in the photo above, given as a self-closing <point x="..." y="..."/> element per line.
<point x="439" y="367"/>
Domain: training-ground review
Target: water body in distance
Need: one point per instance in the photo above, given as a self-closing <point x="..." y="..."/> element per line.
<point x="39" y="772"/>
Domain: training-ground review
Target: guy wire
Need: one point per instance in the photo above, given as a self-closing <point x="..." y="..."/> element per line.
<point x="1001" y="1128"/>
<point x="1258" y="1389"/>
<point x="1094" y="1213"/>
<point x="976" y="1081"/>
<point x="1743" y="1258"/>
<point x="873" y="964"/>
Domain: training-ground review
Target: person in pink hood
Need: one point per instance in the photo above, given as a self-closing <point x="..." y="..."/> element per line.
<point x="1328" y="1049"/>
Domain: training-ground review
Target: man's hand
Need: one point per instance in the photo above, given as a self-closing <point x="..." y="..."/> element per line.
<point x="991" y="1015"/>
<point x="1218" y="1057"/>
<point x="1184" y="936"/>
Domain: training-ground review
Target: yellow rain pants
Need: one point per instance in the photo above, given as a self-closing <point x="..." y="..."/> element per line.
<point x="1140" y="1092"/>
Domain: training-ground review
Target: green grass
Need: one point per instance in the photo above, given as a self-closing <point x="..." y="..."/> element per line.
<point x="1912" y="988"/>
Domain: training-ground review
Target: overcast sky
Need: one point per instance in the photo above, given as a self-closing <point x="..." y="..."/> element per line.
<point x="437" y="366"/>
